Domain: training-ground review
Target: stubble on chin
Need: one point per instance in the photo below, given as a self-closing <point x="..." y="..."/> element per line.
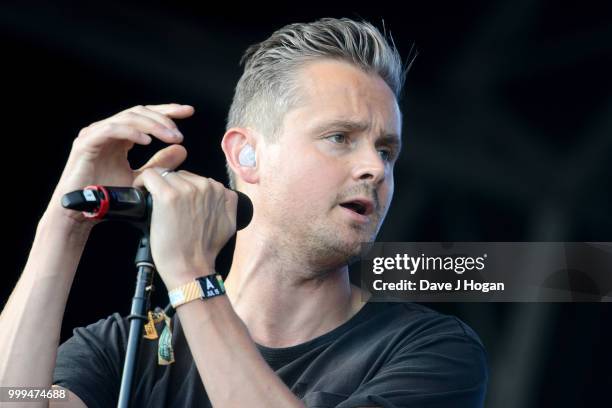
<point x="333" y="248"/>
<point x="323" y="244"/>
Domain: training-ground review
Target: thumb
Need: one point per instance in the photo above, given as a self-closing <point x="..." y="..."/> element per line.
<point x="169" y="157"/>
<point x="141" y="180"/>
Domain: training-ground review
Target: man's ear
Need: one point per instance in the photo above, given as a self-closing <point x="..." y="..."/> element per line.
<point x="234" y="141"/>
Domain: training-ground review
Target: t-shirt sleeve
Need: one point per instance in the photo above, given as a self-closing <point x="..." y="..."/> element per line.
<point x="90" y="362"/>
<point x="443" y="370"/>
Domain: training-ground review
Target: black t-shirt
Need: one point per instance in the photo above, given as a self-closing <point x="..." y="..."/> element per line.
<point x="387" y="355"/>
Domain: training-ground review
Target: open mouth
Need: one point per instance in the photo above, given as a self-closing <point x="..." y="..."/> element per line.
<point x="358" y="206"/>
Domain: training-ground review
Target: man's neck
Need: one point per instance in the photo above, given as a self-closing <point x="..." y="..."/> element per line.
<point x="279" y="306"/>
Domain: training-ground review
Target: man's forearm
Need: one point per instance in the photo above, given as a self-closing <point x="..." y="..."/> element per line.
<point x="31" y="319"/>
<point x="232" y="369"/>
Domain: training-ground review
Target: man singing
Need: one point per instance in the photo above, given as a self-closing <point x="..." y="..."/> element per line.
<point x="313" y="133"/>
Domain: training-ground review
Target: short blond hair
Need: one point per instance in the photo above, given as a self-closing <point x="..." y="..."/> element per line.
<point x="267" y="88"/>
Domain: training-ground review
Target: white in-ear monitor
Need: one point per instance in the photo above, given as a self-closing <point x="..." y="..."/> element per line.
<point x="247" y="156"/>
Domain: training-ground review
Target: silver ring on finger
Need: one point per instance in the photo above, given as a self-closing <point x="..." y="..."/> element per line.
<point x="166" y="172"/>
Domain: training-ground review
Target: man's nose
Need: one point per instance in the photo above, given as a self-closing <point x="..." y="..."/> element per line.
<point x="369" y="166"/>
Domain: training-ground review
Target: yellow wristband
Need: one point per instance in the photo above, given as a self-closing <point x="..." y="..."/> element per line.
<point x="203" y="287"/>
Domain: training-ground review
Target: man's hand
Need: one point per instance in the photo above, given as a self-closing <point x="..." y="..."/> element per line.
<point x="193" y="218"/>
<point x="38" y="302"/>
<point x="99" y="153"/>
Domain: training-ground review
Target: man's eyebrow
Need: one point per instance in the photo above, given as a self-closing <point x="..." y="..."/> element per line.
<point x="344" y="124"/>
<point x="390" y="139"/>
<point x="355" y="126"/>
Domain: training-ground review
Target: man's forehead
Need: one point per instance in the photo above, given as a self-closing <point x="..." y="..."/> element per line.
<point x="338" y="95"/>
<point x="347" y="124"/>
<point x="335" y="79"/>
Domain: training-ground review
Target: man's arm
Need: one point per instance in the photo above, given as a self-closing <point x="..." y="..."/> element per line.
<point x="192" y="219"/>
<point x="230" y="366"/>
<point x="232" y="369"/>
<point x="32" y="318"/>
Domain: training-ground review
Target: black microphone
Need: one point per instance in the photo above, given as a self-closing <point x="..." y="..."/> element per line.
<point x="132" y="204"/>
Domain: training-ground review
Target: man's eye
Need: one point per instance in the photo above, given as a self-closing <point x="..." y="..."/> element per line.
<point x="385" y="154"/>
<point x="337" y="138"/>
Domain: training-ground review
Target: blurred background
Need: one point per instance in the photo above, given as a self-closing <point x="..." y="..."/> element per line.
<point x="507" y="135"/>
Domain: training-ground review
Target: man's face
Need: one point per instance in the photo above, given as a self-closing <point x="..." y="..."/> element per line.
<point x="328" y="181"/>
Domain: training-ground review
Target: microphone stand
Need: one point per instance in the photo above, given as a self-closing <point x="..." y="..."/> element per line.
<point x="140" y="304"/>
<point x="139" y="217"/>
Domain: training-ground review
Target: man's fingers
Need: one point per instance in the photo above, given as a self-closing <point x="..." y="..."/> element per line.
<point x="117" y="131"/>
<point x="154" y="120"/>
<point x="153" y="182"/>
<point x="156" y="116"/>
<point x="199" y="181"/>
<point x="151" y="126"/>
<point x="230" y="196"/>
<point x="150" y="120"/>
<point x="173" y="110"/>
<point x="170" y="158"/>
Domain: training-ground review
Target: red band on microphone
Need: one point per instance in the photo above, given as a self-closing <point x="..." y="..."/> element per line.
<point x="101" y="211"/>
